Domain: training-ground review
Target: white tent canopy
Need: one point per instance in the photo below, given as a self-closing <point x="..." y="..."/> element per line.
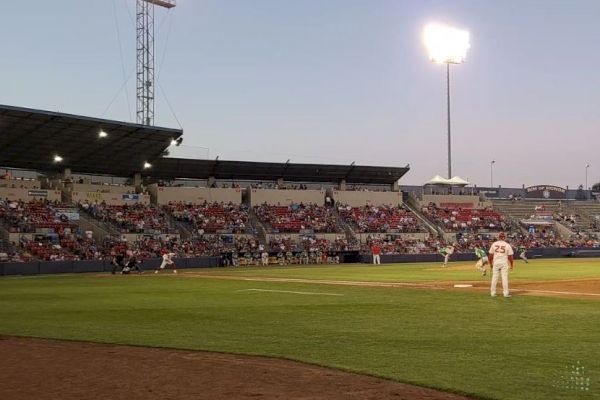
<point x="458" y="181"/>
<point x="455" y="181"/>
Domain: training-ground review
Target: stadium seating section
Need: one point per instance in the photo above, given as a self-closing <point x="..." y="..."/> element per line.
<point x="135" y="218"/>
<point x="211" y="217"/>
<point x="458" y="218"/>
<point x="297" y="218"/>
<point x="380" y="219"/>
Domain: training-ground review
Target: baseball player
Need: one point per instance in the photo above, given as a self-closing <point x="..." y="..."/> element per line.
<point x="376" y="250"/>
<point x="132" y="264"/>
<point x="501" y="258"/>
<point x="264" y="258"/>
<point x="118" y="261"/>
<point x="522" y="250"/>
<point x="167" y="260"/>
<point x="483" y="259"/>
<point x="447" y="252"/>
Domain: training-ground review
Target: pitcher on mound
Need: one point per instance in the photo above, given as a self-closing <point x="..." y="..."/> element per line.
<point x="167" y="260"/>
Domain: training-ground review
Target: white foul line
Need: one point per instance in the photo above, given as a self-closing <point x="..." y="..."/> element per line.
<point x="289" y="291"/>
<point x="556" y="292"/>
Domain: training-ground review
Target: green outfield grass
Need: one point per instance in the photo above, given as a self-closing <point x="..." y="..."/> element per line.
<point x="536" y="270"/>
<point x="466" y="342"/>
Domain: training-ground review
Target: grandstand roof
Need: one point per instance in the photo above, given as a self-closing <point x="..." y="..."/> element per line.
<point x="29" y="139"/>
<point x="169" y="168"/>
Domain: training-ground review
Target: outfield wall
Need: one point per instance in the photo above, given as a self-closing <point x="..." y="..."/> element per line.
<point x="531" y="254"/>
<point x="62" y="267"/>
<point x="359" y="199"/>
<point x="29" y="194"/>
<point x="285" y="197"/>
<point x="165" y="195"/>
<point x="66" y="267"/>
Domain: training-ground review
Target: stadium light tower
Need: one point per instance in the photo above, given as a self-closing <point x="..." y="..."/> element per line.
<point x="145" y="58"/>
<point x="446" y="45"/>
<point x="586" y="174"/>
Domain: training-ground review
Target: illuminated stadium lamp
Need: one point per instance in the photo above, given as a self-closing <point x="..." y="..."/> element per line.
<point x="446" y="45"/>
<point x="173" y="142"/>
<point x="176" y="142"/>
<point x="147" y="165"/>
<point x="57" y="158"/>
<point x="102" y="134"/>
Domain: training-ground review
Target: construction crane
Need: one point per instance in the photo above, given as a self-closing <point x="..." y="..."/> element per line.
<point x="145" y="58"/>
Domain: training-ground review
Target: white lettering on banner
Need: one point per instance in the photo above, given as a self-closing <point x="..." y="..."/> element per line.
<point x="541" y="188"/>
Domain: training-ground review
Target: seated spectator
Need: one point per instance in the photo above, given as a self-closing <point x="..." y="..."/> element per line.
<point x="297" y="217"/>
<point x="382" y="218"/>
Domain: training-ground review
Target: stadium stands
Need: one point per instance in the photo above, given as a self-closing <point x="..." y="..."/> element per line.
<point x="382" y="218"/>
<point x="453" y="217"/>
<point x="297" y="218"/>
<point x="34" y="217"/>
<point x="135" y="218"/>
<point x="211" y="217"/>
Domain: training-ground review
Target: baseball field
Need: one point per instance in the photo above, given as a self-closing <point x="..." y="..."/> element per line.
<point x="405" y="323"/>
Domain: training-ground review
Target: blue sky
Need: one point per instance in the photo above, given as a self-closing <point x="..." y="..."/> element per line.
<point x="331" y="81"/>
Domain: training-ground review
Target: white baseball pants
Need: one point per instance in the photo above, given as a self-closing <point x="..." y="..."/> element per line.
<point x="498" y="270"/>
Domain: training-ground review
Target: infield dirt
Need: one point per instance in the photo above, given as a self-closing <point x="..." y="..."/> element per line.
<point x="47" y="369"/>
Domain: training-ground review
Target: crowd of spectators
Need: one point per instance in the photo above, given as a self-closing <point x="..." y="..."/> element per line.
<point x="382" y="218"/>
<point x="312" y="243"/>
<point x="134" y="218"/>
<point x="297" y="218"/>
<point x="458" y="218"/>
<point x="211" y="217"/>
<point x="393" y="244"/>
<point x="34" y="216"/>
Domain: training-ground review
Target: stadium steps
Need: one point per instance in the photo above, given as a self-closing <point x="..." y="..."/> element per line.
<point x="260" y="229"/>
<point x="100" y="229"/>
<point x="412" y="205"/>
<point x="182" y="228"/>
<point x="350" y="234"/>
<point x="4" y="234"/>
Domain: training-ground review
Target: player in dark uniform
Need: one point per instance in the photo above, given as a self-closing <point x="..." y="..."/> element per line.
<point x="132" y="265"/>
<point x="118" y="261"/>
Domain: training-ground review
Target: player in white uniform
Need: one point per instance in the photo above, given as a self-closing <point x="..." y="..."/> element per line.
<point x="264" y="258"/>
<point x="501" y="259"/>
<point x="167" y="260"/>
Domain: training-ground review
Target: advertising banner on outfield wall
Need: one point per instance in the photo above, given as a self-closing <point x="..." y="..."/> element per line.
<point x="131" y="197"/>
<point x="37" y="193"/>
<point x="545" y="192"/>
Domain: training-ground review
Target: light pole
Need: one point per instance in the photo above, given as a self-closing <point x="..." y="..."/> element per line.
<point x="446" y="45"/>
<point x="492" y="173"/>
<point x="586" y="181"/>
